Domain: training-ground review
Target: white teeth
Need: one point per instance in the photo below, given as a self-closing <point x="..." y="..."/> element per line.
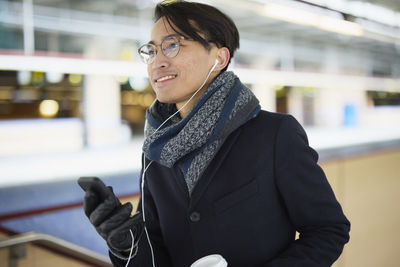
<point x="166" y="78"/>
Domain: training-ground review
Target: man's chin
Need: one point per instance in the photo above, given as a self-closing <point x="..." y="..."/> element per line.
<point x="165" y="100"/>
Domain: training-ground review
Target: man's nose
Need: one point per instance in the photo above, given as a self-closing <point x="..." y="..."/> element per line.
<point x="160" y="60"/>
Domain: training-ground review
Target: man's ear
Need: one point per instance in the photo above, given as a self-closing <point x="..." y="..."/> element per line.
<point x="223" y="57"/>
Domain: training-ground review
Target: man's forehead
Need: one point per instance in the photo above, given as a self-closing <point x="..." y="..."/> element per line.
<point x="161" y="30"/>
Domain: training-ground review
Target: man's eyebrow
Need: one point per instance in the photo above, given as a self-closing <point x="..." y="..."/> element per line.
<point x="169" y="35"/>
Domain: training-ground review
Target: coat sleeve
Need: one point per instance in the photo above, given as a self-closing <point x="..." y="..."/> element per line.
<point x="310" y="202"/>
<point x="143" y="255"/>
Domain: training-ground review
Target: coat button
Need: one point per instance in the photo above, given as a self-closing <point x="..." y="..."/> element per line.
<point x="195" y="216"/>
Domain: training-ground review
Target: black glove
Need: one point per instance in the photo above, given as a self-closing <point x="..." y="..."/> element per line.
<point x="113" y="220"/>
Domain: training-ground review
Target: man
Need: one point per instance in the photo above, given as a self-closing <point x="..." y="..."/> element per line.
<point x="219" y="176"/>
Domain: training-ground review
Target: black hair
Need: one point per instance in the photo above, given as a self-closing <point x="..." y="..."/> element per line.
<point x="191" y="18"/>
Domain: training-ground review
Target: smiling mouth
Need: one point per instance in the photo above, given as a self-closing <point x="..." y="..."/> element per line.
<point x="165" y="78"/>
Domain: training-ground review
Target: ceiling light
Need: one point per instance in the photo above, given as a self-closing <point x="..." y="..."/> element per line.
<point x="290" y="14"/>
<point x="48" y="108"/>
<point x="24" y="77"/>
<point x="340" y="26"/>
<point x="54" y="77"/>
<point x="307" y="18"/>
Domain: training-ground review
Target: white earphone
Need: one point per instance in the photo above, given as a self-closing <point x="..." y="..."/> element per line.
<point x="213" y="67"/>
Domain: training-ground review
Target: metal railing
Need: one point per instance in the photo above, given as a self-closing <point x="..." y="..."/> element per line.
<point x="57" y="245"/>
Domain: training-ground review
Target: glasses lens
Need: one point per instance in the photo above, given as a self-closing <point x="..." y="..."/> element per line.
<point x="170" y="46"/>
<point x="147" y="53"/>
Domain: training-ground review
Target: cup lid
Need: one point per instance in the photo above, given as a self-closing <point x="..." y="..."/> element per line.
<point x="214" y="260"/>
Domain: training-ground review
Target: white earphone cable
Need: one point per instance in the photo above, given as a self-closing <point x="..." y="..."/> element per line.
<point x="143" y="215"/>
<point x="146" y="167"/>
<point x="130" y="252"/>
<point x="144" y="218"/>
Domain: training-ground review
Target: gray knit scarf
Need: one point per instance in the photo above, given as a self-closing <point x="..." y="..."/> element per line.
<point x="192" y="142"/>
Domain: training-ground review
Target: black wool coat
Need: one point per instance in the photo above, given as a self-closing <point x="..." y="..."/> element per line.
<point x="263" y="185"/>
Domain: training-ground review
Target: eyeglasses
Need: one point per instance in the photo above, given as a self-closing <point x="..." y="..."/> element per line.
<point x="169" y="47"/>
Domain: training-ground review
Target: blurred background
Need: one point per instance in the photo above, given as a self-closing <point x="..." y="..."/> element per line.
<point x="73" y="95"/>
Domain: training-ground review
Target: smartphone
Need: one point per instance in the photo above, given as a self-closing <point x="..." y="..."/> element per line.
<point x="94" y="184"/>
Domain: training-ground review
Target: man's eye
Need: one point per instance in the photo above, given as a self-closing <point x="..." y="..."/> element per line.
<point x="174" y="45"/>
<point x="171" y="46"/>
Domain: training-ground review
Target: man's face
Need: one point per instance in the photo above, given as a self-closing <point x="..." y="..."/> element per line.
<point x="174" y="80"/>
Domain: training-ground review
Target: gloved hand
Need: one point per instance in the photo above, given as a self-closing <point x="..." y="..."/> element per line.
<point x="113" y="220"/>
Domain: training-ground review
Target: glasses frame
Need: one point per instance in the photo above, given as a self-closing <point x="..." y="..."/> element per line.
<point x="151" y="58"/>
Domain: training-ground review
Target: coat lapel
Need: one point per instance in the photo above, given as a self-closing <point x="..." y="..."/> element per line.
<point x="213" y="168"/>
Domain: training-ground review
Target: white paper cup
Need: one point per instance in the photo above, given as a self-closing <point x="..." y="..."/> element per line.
<point x="214" y="260"/>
